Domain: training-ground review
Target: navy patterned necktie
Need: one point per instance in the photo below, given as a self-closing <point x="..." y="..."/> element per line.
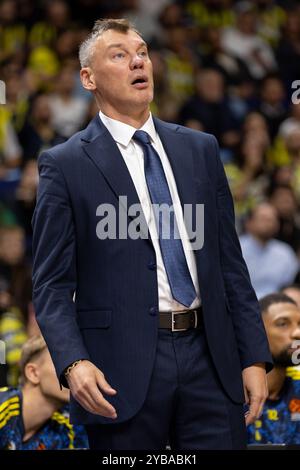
<point x="174" y="259"/>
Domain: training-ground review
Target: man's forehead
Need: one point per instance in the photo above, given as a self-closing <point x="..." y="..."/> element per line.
<point x="112" y="38"/>
<point x="284" y="309"/>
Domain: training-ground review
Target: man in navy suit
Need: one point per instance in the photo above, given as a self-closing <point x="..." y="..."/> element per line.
<point x="158" y="339"/>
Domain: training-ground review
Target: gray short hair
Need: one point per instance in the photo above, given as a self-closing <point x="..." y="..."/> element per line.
<point x="86" y="48"/>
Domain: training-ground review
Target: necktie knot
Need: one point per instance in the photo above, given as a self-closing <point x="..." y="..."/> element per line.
<point x="142" y="137"/>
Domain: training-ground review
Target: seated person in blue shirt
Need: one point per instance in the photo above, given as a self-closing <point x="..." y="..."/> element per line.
<point x="280" y="419"/>
<point x="35" y="416"/>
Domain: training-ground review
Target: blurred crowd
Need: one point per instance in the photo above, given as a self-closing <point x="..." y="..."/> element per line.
<point x="224" y="67"/>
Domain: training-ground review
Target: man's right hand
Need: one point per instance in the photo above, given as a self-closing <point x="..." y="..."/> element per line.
<point x="86" y="383"/>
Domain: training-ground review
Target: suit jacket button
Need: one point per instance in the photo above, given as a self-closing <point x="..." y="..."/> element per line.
<point x="153" y="311"/>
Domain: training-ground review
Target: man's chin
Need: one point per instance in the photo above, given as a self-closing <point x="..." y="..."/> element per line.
<point x="283" y="360"/>
<point x="145" y="95"/>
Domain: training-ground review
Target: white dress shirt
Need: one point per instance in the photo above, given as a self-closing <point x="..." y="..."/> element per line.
<point x="133" y="156"/>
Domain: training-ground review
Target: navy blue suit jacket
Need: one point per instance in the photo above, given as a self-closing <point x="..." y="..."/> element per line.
<point x="112" y="319"/>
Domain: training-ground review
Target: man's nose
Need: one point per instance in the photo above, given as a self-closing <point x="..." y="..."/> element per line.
<point x="296" y="332"/>
<point x="137" y="62"/>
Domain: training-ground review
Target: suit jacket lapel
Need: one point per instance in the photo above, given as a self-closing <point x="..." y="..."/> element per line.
<point x="103" y="151"/>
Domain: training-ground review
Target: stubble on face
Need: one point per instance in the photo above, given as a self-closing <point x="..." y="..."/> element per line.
<point x="283" y="358"/>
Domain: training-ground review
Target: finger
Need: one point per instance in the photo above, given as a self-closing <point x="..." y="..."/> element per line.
<point x="255" y="403"/>
<point x="90" y="394"/>
<point x="258" y="404"/>
<point x="247" y="401"/>
<point x="104" y="385"/>
<point x="87" y="401"/>
<point x="99" y="401"/>
<point x="249" y="419"/>
<point x="261" y="408"/>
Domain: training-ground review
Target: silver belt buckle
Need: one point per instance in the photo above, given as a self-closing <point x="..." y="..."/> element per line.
<point x="181" y="329"/>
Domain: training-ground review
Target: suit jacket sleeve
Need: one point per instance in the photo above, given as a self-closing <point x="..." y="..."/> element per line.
<point x="54" y="267"/>
<point x="240" y="296"/>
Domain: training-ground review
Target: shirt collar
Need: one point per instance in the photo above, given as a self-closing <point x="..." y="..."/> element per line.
<point x="122" y="133"/>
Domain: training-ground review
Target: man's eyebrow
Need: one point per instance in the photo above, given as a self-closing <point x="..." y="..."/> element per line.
<point x="120" y="44"/>
<point x="282" y="316"/>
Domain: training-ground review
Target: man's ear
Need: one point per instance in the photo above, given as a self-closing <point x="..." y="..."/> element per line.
<point x="87" y="79"/>
<point x="32" y="373"/>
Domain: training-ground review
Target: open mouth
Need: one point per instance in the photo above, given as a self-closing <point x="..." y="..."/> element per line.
<point x="140" y="82"/>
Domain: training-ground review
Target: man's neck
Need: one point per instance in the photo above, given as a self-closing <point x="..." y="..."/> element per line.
<point x="136" y="120"/>
<point x="276" y="380"/>
<point x="36" y="410"/>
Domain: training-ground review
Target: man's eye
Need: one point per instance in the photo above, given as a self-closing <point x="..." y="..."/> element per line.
<point x="281" y="324"/>
<point x="143" y="53"/>
<point x="119" y="55"/>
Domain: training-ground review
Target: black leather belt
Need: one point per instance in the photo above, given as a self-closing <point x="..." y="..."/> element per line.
<point x="182" y="320"/>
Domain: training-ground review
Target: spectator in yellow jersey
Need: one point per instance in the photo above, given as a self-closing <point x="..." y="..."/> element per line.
<point x="35" y="416"/>
<point x="280" y="419"/>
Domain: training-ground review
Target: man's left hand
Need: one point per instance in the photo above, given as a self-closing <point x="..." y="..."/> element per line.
<point x="256" y="390"/>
